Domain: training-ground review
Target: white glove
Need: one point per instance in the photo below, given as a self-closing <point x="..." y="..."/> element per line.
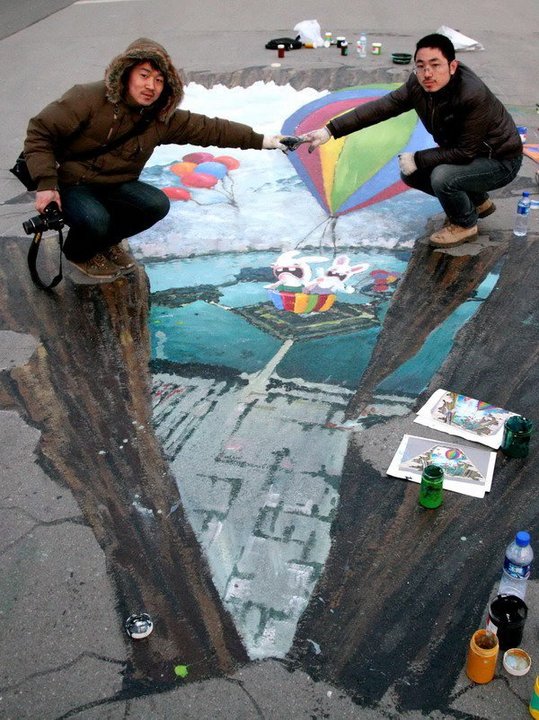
<point x="316" y="137"/>
<point x="407" y="164"/>
<point x="273" y="142"/>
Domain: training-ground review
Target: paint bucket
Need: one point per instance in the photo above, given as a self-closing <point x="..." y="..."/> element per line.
<point x="280" y="51"/>
<point x="516" y="436"/>
<point x="482" y="656"/>
<point x="534" y="702"/>
<point x="506" y="617"/>
<point x="516" y="662"/>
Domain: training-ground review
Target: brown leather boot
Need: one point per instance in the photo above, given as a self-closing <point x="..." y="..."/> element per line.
<point x="453" y="235"/>
<point x="485" y="209"/>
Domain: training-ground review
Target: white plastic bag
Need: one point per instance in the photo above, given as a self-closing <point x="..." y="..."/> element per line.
<point x="309" y="32"/>
<point x="460" y="41"/>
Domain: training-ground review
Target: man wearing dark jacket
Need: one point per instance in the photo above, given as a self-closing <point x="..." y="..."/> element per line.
<point x="101" y="198"/>
<point x="479" y="148"/>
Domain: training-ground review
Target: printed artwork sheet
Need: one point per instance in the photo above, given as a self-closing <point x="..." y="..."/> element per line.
<point x="467" y="469"/>
<point x="465" y="417"/>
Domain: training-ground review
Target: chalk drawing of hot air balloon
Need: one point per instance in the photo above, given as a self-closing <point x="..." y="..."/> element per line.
<point x="360" y="169"/>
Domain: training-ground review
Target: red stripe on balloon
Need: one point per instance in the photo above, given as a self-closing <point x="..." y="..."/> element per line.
<point x="385" y="194"/>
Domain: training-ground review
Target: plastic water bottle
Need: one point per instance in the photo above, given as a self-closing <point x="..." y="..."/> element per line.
<point x="517" y="566"/>
<point x="523" y="214"/>
<point x="362" y="46"/>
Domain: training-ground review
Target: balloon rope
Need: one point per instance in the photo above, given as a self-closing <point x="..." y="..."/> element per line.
<point x="326" y="221"/>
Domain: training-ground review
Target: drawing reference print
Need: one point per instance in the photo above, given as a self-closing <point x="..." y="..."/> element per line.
<point x="464" y="416"/>
<point x="466" y="469"/>
<point x="250" y="381"/>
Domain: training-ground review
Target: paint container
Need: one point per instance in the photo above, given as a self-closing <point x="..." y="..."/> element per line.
<point x="523" y="132"/>
<point x="376" y="48"/>
<point x="138" y="626"/>
<point x="516" y="436"/>
<point x="534" y="702"/>
<point x="517" y="662"/>
<point x="344" y="48"/>
<point x="506" y="617"/>
<point x="431" y="490"/>
<point x="280" y="51"/>
<point x="482" y="656"/>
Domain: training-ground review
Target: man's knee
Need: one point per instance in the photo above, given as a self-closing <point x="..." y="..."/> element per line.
<point x="442" y="177"/>
<point x="163" y="205"/>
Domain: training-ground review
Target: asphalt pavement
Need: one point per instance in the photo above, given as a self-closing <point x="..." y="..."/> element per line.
<point x="64" y="653"/>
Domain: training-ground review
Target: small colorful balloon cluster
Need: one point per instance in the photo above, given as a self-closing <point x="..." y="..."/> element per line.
<point x="199" y="170"/>
<point x="383" y="279"/>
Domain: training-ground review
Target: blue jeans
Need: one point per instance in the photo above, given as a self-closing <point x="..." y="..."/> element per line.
<point x="103" y="215"/>
<point x="461" y="188"/>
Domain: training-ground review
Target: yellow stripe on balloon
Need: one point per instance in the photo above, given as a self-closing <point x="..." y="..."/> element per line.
<point x="329" y="154"/>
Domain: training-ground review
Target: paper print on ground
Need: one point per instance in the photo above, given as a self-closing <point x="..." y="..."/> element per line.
<point x="467" y="470"/>
<point x="464" y="416"/>
<point x="248" y="388"/>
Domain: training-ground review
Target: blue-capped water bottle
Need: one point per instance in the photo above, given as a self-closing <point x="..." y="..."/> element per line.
<point x="517" y="566"/>
<point x="523" y="214"/>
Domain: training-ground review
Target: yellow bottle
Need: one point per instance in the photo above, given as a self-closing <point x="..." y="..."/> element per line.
<point x="534" y="702"/>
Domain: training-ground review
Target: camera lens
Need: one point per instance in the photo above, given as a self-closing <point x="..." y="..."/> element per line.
<point x="30" y="226"/>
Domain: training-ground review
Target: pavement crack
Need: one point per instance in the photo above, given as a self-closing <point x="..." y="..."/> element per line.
<point x="76" y="520"/>
<point x="254" y="703"/>
<point x="60" y="668"/>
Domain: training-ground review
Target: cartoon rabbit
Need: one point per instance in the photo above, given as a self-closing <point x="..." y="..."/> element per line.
<point x="292" y="271"/>
<point x="335" y="277"/>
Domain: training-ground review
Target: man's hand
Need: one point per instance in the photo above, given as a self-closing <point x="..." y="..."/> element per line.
<point x="315" y="138"/>
<point x="44" y="197"/>
<point x="273" y="142"/>
<point x="407" y="164"/>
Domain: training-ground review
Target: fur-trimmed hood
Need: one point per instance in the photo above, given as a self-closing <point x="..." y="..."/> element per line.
<point x="140" y="50"/>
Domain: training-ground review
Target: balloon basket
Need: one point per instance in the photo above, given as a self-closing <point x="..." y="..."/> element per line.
<point x="299" y="302"/>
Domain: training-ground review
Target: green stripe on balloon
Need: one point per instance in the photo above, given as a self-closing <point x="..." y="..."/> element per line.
<point x="366" y="152"/>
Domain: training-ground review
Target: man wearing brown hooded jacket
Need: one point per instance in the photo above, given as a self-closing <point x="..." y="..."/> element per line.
<point x="101" y="198"/>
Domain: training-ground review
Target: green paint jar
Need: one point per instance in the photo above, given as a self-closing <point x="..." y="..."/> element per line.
<point x="516" y="436"/>
<point x="431" y="490"/>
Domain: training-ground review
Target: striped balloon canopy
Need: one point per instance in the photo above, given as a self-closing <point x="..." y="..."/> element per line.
<point x="360" y="169"/>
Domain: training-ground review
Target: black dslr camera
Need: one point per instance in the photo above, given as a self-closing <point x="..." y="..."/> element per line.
<point x="50" y="219"/>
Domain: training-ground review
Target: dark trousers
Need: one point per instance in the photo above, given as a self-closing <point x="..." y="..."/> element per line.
<point x="99" y="216"/>
<point x="461" y="188"/>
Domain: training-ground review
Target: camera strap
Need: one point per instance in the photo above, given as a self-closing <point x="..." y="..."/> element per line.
<point x="32" y="260"/>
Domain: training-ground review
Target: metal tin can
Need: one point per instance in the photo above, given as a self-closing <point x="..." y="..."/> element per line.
<point x="376" y="48"/>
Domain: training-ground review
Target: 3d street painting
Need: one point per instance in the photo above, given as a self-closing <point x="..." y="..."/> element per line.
<point x="270" y="281"/>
